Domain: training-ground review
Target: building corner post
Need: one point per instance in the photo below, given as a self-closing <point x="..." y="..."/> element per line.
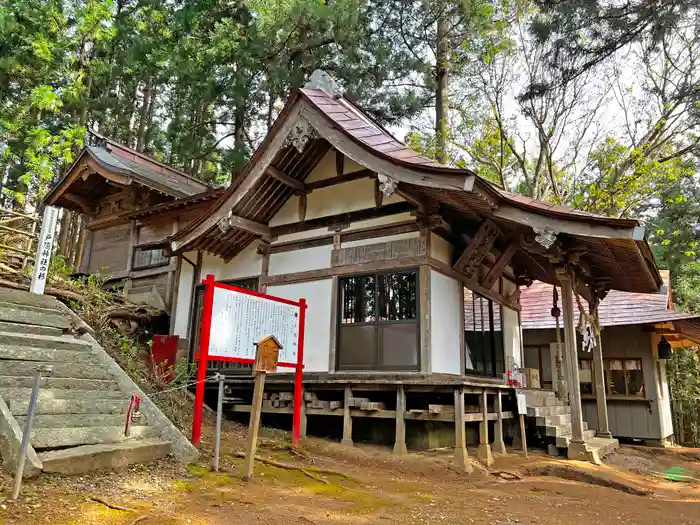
<point x="599" y="377"/>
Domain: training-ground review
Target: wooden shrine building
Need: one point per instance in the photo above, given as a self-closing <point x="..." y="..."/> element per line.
<point x="395" y="254"/>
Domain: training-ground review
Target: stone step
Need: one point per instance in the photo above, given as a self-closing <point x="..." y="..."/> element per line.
<point x="43" y="438"/>
<point x="563" y="440"/>
<point x="20" y="407"/>
<point x="28" y="315"/>
<point x="548" y="411"/>
<point x="553" y="420"/>
<point x="60" y="370"/>
<point x="600" y="447"/>
<point x="558" y="430"/>
<point x="58" y="383"/>
<point x="8" y="327"/>
<point x="65" y="370"/>
<point x="27" y="353"/>
<point x="61" y="342"/>
<point x="76" y="420"/>
<point x="22" y="298"/>
<point x="86" y="458"/>
<point x="17" y="394"/>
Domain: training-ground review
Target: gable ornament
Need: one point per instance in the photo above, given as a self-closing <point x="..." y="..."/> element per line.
<point x="300" y="135"/>
<point x="545" y="237"/>
<point x="387" y="185"/>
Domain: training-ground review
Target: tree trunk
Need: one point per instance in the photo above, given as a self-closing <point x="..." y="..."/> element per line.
<point x="143" y="115"/>
<point x="70" y="243"/>
<point x="80" y="245"/>
<point x="441" y="94"/>
<point x="63" y="236"/>
<point x="151" y="111"/>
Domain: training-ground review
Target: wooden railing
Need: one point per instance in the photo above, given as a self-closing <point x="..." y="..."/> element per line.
<point x="18" y="237"/>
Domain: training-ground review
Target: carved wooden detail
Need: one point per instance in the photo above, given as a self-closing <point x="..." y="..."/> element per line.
<point x="302" y="207"/>
<point x="497" y="269"/>
<point x="470" y="260"/>
<point x="379" y="252"/>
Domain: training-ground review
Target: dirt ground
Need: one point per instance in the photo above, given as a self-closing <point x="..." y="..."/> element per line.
<point x="367" y="484"/>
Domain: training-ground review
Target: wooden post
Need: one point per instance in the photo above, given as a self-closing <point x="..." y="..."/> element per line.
<point x="522" y="433"/>
<point x="499" y="446"/>
<point x="266" y="359"/>
<point x="255" y="412"/>
<point x="484" y="450"/>
<point x="600" y="393"/>
<point x="347" y="418"/>
<point x="461" y="458"/>
<point x="302" y="422"/>
<point x="577" y="448"/>
<point x="400" y="440"/>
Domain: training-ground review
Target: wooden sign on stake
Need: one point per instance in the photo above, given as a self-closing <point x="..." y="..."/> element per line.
<point x="266" y="358"/>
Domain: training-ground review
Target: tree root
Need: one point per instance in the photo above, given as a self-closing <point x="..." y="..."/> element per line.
<point x="111" y="505"/>
<point x="285" y="466"/>
<point x="140" y="519"/>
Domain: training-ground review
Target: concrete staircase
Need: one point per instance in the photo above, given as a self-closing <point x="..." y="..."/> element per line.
<point x="552" y="418"/>
<point x="81" y="413"/>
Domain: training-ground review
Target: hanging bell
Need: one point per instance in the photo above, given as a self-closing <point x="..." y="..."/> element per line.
<point x="555" y="311"/>
<point x="664" y="348"/>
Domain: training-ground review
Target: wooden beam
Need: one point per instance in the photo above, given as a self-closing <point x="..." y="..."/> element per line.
<point x="281" y="176"/>
<point x="572" y="226"/>
<point x="497" y="269"/>
<point x="341" y="218"/>
<point x="85" y="205"/>
<point x="470" y="260"/>
<point x="339" y="163"/>
<point x="339" y="179"/>
<point x="250" y="226"/>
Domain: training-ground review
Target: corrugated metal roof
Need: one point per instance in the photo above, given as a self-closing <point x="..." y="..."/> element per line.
<point x="618" y="308"/>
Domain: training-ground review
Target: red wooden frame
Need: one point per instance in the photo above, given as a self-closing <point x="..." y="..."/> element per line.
<point x="203" y="356"/>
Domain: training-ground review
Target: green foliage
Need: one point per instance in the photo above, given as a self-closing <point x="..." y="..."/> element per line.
<point x="683" y="373"/>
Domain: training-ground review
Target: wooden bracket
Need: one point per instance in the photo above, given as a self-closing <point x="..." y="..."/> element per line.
<point x="470" y="260"/>
<point x="250" y="226"/>
<point x="281" y="176"/>
<point x="302" y="207"/>
<point x="339" y="163"/>
<point x="497" y="269"/>
<point x="378" y="194"/>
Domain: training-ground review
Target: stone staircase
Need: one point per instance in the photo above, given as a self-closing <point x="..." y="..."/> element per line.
<point x="552" y="418"/>
<point x="81" y="412"/>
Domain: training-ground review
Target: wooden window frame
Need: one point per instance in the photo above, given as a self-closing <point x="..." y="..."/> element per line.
<point x="627" y="394"/>
<point x="492" y="304"/>
<point x="135" y="251"/>
<point x="339" y="324"/>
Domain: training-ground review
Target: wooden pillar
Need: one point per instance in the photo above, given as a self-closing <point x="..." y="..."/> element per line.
<point x="484" y="450"/>
<point x="601" y="397"/>
<point x="303" y="422"/>
<point x="577" y="449"/>
<point x="424" y="310"/>
<point x="254" y="426"/>
<point x="461" y="458"/>
<point x="347" y="418"/>
<point x="87" y="251"/>
<point x="499" y="446"/>
<point x="400" y="440"/>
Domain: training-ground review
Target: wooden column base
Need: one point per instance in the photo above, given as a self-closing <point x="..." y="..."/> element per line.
<point x="400" y="440"/>
<point x="484" y="454"/>
<point x="347" y="419"/>
<point x="461" y="458"/>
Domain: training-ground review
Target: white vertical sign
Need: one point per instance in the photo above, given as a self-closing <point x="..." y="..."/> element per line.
<point x="44" y="250"/>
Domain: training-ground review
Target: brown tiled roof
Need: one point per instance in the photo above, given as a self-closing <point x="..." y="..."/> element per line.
<point x="618" y="308"/>
<point x="614" y="248"/>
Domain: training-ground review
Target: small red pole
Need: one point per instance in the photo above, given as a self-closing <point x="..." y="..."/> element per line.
<point x="298" y="376"/>
<point x="203" y="353"/>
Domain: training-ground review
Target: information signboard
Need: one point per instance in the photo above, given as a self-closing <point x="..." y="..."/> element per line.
<point x="233" y="320"/>
<point x="241" y="318"/>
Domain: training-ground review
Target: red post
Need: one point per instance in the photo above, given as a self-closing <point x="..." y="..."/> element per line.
<point x="298" y="376"/>
<point x="203" y="353"/>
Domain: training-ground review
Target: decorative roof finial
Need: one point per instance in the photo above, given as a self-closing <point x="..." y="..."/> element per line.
<point x="323" y="81"/>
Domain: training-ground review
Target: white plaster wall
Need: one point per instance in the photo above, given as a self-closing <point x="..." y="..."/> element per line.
<point x="440" y="249"/>
<point x="318" y="320"/>
<point x="445" y="324"/>
<point x="184" y="296"/>
<point x="246" y="264"/>
<point x="512" y="336"/>
<point x="300" y="260"/>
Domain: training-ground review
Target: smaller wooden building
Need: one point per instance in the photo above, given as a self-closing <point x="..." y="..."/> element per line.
<point x="108" y="184"/>
<point x="632" y="325"/>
